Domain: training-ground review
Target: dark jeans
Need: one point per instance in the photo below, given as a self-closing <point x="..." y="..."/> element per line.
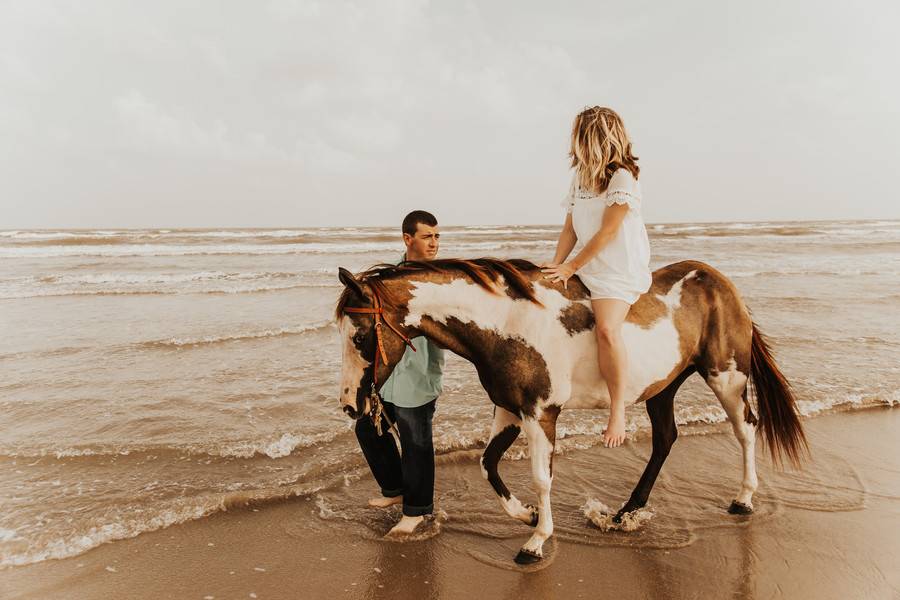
<point x="410" y="475"/>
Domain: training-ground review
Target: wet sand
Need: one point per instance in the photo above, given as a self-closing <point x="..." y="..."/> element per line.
<point x="805" y="548"/>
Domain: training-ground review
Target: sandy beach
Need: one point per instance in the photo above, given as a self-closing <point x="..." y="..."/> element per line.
<point x="836" y="539"/>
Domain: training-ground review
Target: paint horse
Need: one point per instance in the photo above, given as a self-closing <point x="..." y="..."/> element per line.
<point x="534" y="348"/>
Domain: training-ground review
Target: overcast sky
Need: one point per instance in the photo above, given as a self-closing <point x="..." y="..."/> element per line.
<point x="294" y="113"/>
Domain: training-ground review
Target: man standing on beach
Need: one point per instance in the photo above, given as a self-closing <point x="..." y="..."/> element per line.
<point x="409" y="396"/>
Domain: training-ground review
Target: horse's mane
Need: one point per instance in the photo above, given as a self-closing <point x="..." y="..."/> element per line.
<point x="482" y="271"/>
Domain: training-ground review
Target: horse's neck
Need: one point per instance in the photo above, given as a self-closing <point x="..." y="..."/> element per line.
<point x="458" y="314"/>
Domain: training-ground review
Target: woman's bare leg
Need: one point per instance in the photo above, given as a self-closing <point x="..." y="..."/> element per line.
<point x="609" y="315"/>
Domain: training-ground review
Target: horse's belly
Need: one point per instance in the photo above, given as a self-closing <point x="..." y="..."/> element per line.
<point x="653" y="353"/>
<point x="584" y="397"/>
<point x="588" y="387"/>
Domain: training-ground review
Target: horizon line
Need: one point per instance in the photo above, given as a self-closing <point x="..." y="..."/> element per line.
<point x="486" y="225"/>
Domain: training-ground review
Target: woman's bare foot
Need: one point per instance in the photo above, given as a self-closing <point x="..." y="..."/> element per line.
<point x="614" y="435"/>
<point x="383" y="502"/>
<point x="405" y="526"/>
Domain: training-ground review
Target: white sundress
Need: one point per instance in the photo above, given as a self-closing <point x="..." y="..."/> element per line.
<point x="622" y="268"/>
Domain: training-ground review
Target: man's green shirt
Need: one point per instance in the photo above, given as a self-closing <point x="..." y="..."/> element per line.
<point x="416" y="380"/>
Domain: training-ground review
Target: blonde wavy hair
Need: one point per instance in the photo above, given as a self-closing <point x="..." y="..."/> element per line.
<point x="600" y="146"/>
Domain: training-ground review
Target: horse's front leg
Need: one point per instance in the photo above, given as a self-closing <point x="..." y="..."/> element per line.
<point x="504" y="431"/>
<point x="541" y="434"/>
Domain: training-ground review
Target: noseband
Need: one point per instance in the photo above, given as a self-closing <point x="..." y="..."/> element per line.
<point x="376" y="412"/>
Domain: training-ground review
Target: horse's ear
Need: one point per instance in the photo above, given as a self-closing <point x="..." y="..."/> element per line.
<point x="350" y="281"/>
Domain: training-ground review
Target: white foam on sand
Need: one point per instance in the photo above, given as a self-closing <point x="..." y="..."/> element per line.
<point x="240" y="336"/>
<point x="602" y="517"/>
<point x="126" y="528"/>
<point x="279" y="448"/>
<point x="8" y="535"/>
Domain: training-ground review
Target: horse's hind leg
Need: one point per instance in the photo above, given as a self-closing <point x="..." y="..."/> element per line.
<point x="504" y="431"/>
<point x="730" y="388"/>
<point x="661" y="409"/>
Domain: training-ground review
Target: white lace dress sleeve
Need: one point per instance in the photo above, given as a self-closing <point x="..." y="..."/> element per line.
<point x="623" y="189"/>
<point x="569" y="201"/>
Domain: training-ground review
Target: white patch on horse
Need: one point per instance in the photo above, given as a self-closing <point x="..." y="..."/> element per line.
<point x="571" y="360"/>
<point x="540" y="451"/>
<point x="516" y="509"/>
<point x="728" y="382"/>
<point x="353" y="365"/>
<point x="673" y="299"/>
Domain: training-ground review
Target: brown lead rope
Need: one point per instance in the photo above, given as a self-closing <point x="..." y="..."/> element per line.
<point x="376" y="412"/>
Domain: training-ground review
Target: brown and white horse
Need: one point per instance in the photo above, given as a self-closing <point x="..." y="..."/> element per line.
<point x="533" y="345"/>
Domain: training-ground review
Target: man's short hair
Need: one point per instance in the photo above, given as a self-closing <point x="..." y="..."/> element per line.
<point x="412" y="220"/>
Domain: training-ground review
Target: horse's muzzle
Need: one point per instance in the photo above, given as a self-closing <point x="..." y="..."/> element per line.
<point x="359" y="411"/>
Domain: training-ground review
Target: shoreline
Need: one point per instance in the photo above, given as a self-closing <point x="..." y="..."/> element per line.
<point x="288" y="550"/>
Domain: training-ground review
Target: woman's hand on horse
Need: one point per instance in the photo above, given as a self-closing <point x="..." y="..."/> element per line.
<point x="559" y="273"/>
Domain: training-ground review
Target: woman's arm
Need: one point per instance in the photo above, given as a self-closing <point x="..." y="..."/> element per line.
<point x="609" y="227"/>
<point x="566" y="243"/>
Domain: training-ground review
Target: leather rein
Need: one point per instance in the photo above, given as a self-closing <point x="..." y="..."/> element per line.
<point x="376" y="412"/>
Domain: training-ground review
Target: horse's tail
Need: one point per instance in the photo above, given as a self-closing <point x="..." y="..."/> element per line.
<point x="782" y="432"/>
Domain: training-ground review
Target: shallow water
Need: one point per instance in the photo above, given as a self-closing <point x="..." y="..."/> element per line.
<point x="151" y="377"/>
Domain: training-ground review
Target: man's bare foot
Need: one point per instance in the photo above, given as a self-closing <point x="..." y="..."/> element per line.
<point x="405" y="526"/>
<point x="614" y="435"/>
<point x="382" y="502"/>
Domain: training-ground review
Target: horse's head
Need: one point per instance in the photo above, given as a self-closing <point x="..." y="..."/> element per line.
<point x="363" y="364"/>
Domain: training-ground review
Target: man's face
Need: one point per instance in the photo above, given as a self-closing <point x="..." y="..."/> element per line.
<point x="424" y="244"/>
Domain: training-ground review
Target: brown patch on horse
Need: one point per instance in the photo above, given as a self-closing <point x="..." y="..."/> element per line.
<point x="710" y="312"/>
<point x="725" y="335"/>
<point x="646" y="311"/>
<point x="650" y="308"/>
<point x="513" y="373"/>
<point x="748" y="412"/>
<point x="547" y="421"/>
<point x="577" y="318"/>
<point x="573" y="289"/>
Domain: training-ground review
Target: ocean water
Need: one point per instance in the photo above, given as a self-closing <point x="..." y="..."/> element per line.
<point x="149" y="377"/>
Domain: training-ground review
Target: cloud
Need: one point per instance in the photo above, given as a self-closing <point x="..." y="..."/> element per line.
<point x="150" y="123"/>
<point x="373" y="102"/>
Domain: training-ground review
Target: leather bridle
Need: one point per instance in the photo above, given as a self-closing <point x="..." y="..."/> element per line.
<point x="377" y="311"/>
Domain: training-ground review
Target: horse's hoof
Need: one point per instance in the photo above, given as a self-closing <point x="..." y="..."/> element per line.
<point x="628" y="508"/>
<point x="527" y="557"/>
<point x="739" y="508"/>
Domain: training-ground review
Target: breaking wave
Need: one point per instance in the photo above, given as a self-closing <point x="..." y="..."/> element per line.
<point x="252" y="335"/>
